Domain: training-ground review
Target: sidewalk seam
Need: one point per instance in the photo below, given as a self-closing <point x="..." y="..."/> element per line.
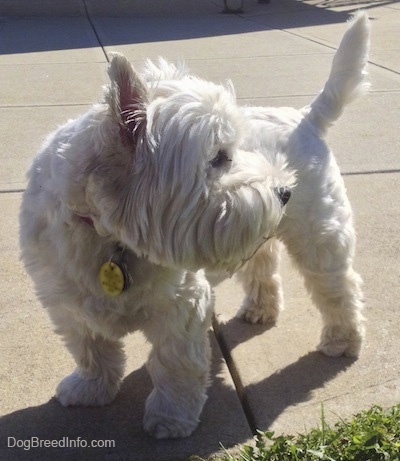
<point x="233" y="371"/>
<point x="88" y="17"/>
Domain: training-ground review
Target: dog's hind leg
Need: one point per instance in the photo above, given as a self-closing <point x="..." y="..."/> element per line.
<point x="323" y="251"/>
<point x="100" y="366"/>
<point x="339" y="297"/>
<point x="262" y="285"/>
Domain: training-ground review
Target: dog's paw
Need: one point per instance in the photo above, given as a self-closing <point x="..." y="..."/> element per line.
<point x="166" y="418"/>
<point x="255" y="313"/>
<point x="335" y="342"/>
<point x="167" y="427"/>
<point x="76" y="390"/>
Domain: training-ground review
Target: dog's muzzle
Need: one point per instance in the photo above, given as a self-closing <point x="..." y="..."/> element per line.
<point x="283" y="194"/>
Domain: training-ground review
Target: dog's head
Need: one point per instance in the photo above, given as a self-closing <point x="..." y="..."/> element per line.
<point x="169" y="179"/>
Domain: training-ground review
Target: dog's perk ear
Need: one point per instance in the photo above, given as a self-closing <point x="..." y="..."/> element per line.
<point x="126" y="95"/>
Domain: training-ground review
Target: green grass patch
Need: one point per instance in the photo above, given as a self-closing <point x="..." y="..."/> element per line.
<point x="372" y="435"/>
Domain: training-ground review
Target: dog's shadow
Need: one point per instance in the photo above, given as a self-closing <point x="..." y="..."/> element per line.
<point x="294" y="384"/>
<point x="121" y="422"/>
<point x="291" y="386"/>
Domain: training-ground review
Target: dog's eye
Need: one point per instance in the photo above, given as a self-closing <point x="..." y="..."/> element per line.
<point x="220" y="159"/>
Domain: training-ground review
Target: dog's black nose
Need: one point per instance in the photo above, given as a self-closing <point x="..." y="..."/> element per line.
<point x="284" y="194"/>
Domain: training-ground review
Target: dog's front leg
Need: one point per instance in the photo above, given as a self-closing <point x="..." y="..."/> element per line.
<point x="179" y="368"/>
<point x="100" y="366"/>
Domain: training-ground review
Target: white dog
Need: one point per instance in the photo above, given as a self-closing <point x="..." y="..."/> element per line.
<point x="127" y="205"/>
<point x="124" y="208"/>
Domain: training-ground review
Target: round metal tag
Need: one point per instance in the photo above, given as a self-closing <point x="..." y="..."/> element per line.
<point x="112" y="278"/>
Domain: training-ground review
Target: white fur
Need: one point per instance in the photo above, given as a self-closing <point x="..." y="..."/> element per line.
<point x="171" y="170"/>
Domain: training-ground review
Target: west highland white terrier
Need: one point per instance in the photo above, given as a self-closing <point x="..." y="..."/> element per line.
<point x="129" y="204"/>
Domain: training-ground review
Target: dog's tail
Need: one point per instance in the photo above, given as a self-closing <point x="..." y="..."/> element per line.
<point x="347" y="79"/>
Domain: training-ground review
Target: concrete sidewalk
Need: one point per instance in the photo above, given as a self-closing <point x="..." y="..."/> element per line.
<point x="52" y="65"/>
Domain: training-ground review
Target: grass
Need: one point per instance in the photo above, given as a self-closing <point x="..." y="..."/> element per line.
<point x="372" y="435"/>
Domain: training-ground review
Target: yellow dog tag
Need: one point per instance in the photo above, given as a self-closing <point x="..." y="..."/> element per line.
<point x="112" y="278"/>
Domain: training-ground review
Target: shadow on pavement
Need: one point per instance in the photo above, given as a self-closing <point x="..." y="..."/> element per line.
<point x="122" y="422"/>
<point x="293" y="385"/>
<point x="286" y="387"/>
<point x="34" y="33"/>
